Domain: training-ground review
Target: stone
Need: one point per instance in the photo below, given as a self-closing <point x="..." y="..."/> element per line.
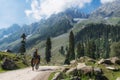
<point x="8" y="64"/>
<point x="87" y="70"/>
<point x="64" y="69"/>
<point x="112" y="68"/>
<point x="98" y="70"/>
<point x="118" y="78"/>
<point x="115" y="60"/>
<point x="105" y="61"/>
<point x="72" y="71"/>
<point x="80" y="66"/>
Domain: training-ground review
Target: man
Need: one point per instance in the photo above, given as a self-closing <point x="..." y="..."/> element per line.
<point x="35" y="59"/>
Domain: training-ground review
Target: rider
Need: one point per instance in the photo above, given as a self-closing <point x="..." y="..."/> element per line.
<point x="35" y="56"/>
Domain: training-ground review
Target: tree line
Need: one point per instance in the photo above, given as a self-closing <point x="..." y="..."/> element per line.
<point x="94" y="40"/>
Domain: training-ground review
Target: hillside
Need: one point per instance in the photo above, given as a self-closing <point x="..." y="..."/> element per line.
<point x="13" y="59"/>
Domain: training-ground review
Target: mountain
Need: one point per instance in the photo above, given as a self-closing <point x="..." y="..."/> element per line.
<point x="54" y="26"/>
<point x="107" y="10"/>
<point x="6" y="32"/>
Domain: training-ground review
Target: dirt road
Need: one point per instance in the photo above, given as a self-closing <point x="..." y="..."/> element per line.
<point x="27" y="74"/>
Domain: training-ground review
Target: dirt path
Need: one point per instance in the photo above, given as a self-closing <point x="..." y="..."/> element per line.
<point x="27" y="74"/>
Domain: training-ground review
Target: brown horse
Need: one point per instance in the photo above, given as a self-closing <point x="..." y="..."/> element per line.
<point x="35" y="62"/>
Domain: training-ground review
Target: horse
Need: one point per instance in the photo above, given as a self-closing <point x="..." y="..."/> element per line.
<point x="35" y="62"/>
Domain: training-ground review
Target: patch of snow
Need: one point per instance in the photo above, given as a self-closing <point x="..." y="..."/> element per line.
<point x="29" y="36"/>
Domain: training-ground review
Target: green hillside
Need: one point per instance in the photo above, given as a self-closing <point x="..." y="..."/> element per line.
<point x="18" y="59"/>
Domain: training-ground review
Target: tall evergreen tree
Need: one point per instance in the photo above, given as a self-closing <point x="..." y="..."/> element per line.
<point x="80" y="50"/>
<point x="91" y="49"/>
<point x="71" y="46"/>
<point x="48" y="50"/>
<point x="22" y="49"/>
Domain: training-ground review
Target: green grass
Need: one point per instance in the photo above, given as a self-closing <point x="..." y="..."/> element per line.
<point x="111" y="75"/>
<point x="14" y="57"/>
<point x="51" y="76"/>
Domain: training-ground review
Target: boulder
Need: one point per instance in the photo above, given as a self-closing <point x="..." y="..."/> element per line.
<point x="98" y="70"/>
<point x="72" y="71"/>
<point x="87" y="70"/>
<point x="118" y="78"/>
<point x="91" y="60"/>
<point x="73" y="63"/>
<point x="105" y="61"/>
<point x="8" y="64"/>
<point x="64" y="69"/>
<point x="112" y="68"/>
<point x="80" y="66"/>
<point x="115" y="60"/>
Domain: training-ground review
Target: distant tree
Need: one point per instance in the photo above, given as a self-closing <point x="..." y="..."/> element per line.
<point x="22" y="49"/>
<point x="48" y="50"/>
<point x="67" y="60"/>
<point x="80" y="50"/>
<point x="71" y="46"/>
<point x="115" y="49"/>
<point x="62" y="51"/>
<point x="91" y="49"/>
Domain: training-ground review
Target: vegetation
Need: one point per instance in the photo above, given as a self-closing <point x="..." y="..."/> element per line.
<point x="48" y="50"/>
<point x="115" y="49"/>
<point x="80" y="50"/>
<point x="16" y="58"/>
<point x="23" y="43"/>
<point x="101" y="35"/>
<point x="71" y="46"/>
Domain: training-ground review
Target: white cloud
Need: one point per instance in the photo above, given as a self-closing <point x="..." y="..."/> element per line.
<point x="44" y="8"/>
<point x="106" y="1"/>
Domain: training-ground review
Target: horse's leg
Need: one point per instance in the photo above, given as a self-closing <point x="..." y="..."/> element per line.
<point x="37" y="64"/>
<point x="32" y="64"/>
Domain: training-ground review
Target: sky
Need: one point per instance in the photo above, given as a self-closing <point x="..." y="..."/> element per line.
<point x="29" y="11"/>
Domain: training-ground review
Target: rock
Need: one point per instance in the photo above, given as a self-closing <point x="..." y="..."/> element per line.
<point x="64" y="69"/>
<point x="57" y="76"/>
<point x="98" y="70"/>
<point x="73" y="63"/>
<point x="87" y="70"/>
<point x="118" y="78"/>
<point x="112" y="68"/>
<point x="115" y="60"/>
<point x="72" y="71"/>
<point x="91" y="60"/>
<point x="8" y="64"/>
<point x="105" y="61"/>
<point x="80" y="66"/>
<point x="85" y="58"/>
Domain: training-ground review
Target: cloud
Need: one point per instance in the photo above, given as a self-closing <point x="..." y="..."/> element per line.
<point x="44" y="8"/>
<point x="106" y="1"/>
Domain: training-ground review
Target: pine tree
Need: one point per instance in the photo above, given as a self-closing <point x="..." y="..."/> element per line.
<point x="48" y="50"/>
<point x="71" y="46"/>
<point x="91" y="49"/>
<point x="80" y="50"/>
<point x="67" y="60"/>
<point x="62" y="51"/>
<point x="22" y="49"/>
